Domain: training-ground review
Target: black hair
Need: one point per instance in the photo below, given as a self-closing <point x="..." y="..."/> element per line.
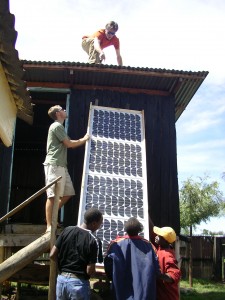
<point x="112" y="25"/>
<point x="133" y="226"/>
<point x="92" y="215"/>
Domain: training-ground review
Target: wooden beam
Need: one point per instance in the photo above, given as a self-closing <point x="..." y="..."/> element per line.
<point x="2" y="255"/>
<point x="24" y="256"/>
<point x="20" y="229"/>
<point x="122" y="90"/>
<point x="43" y="84"/>
<point x="96" y="87"/>
<point x="53" y="264"/>
<point x="17" y="240"/>
<point x="46" y="102"/>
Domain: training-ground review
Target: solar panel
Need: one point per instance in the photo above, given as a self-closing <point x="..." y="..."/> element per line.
<point x="114" y="175"/>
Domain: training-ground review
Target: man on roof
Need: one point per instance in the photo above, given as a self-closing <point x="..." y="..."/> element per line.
<point x="94" y="44"/>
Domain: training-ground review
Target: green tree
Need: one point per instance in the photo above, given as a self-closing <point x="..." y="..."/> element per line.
<point x="212" y="233"/>
<point x="199" y="200"/>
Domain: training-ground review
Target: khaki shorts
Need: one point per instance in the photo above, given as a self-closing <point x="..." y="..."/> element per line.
<point x="65" y="184"/>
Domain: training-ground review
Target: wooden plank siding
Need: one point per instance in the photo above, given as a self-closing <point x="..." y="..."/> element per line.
<point x="30" y="149"/>
<point x="160" y="134"/>
<point x="28" y="158"/>
<point x="207" y="257"/>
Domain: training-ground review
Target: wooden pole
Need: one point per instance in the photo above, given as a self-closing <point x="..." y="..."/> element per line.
<point x="190" y="260"/>
<point x="24" y="256"/>
<point x="177" y="254"/>
<point x="26" y="202"/>
<point x="53" y="265"/>
<point x="2" y="253"/>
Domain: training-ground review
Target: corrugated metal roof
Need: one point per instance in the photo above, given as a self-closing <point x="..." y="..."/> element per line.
<point x="182" y="84"/>
<point x="11" y="64"/>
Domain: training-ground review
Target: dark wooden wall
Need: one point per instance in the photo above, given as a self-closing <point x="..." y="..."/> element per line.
<point x="5" y="177"/>
<point x="161" y="155"/>
<point x="30" y="145"/>
<point x="27" y="162"/>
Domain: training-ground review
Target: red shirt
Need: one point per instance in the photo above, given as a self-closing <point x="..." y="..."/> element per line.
<point x="168" y="264"/>
<point x="104" y="42"/>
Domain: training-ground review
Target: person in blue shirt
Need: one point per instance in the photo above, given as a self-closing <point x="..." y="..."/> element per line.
<point x="132" y="265"/>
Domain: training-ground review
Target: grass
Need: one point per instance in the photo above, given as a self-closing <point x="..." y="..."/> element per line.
<point x="202" y="290"/>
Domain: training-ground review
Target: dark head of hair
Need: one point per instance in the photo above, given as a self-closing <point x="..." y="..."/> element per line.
<point x="133" y="227"/>
<point x="92" y="215"/>
<point x="112" y="25"/>
<point x="53" y="110"/>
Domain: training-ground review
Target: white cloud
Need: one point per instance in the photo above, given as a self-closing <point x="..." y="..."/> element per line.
<point x="203" y="120"/>
<point x="207" y="144"/>
<point x="205" y="114"/>
<point x="200" y="157"/>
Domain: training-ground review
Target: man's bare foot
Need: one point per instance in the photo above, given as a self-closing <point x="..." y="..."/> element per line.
<point x="48" y="229"/>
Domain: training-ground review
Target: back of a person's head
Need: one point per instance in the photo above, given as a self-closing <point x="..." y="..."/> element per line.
<point x="112" y="25"/>
<point x="92" y="215"/>
<point x="52" y="111"/>
<point x="133" y="227"/>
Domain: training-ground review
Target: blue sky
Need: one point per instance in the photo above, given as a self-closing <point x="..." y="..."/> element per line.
<point x="172" y="34"/>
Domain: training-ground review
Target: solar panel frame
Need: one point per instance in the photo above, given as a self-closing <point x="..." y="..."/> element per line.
<point x="114" y="172"/>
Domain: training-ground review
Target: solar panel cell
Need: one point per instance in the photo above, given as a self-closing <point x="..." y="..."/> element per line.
<point x="113" y="174"/>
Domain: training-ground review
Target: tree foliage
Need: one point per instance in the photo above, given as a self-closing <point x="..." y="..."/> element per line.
<point x="212" y="233"/>
<point x="200" y="200"/>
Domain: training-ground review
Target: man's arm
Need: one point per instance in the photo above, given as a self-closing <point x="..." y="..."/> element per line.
<point x="75" y="143"/>
<point x="98" y="48"/>
<point x="119" y="57"/>
<point x="171" y="268"/>
<point x="90" y="269"/>
<point x="54" y="253"/>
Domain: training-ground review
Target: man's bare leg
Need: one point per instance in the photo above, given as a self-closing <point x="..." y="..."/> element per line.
<point x="63" y="200"/>
<point x="48" y="211"/>
<point x="49" y="208"/>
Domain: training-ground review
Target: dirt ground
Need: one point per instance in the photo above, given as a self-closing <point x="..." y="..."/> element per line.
<point x="41" y="293"/>
<point x="32" y="296"/>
